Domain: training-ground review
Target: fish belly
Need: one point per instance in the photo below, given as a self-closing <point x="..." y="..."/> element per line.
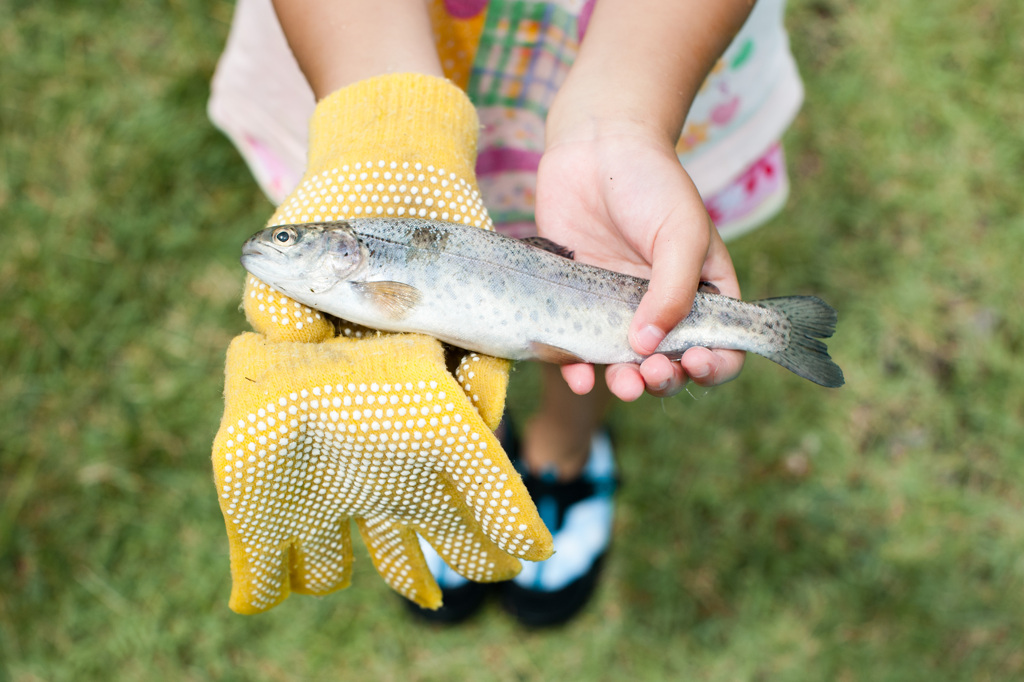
<point x="499" y="312"/>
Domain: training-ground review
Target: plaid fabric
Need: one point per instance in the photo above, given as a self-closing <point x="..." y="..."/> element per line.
<point x="524" y="54"/>
<point x="525" y="51"/>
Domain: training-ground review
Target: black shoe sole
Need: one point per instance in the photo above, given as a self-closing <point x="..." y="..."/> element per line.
<point x="540" y="609"/>
<point x="460" y="604"/>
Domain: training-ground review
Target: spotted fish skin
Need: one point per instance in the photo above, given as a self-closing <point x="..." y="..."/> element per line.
<point x="504" y="297"/>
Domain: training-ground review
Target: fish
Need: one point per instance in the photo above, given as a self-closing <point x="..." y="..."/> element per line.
<point x="516" y="299"/>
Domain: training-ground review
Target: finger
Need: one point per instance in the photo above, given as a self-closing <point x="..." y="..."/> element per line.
<point x="485" y="563"/>
<point x="579" y="377"/>
<point x="718" y="268"/>
<point x="676" y="265"/>
<point x="395" y="553"/>
<point x="494" y="496"/>
<point x="484" y="379"/>
<point x="625" y="381"/>
<point x="662" y="377"/>
<point x="712" y="367"/>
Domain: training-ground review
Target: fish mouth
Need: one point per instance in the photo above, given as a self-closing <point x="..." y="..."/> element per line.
<point x="257" y="248"/>
<point x="254" y="246"/>
<point x="260" y="257"/>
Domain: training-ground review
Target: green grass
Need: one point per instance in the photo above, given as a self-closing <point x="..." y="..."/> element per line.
<point x="770" y="530"/>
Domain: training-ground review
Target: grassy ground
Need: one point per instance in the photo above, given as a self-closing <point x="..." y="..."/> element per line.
<point x="770" y="530"/>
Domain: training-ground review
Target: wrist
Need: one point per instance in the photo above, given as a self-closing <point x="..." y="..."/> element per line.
<point x="641" y="65"/>
<point x="341" y="43"/>
<point x="580" y="122"/>
<point x="601" y="97"/>
<point x="584" y="125"/>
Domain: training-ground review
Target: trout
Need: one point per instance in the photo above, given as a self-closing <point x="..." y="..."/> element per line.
<point x="515" y="299"/>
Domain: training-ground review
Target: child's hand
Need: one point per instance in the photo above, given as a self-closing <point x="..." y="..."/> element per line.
<point x="610" y="185"/>
<point x="621" y="200"/>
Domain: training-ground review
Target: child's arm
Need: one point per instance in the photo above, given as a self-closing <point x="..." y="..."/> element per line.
<point x="610" y="185"/>
<point x="339" y="43"/>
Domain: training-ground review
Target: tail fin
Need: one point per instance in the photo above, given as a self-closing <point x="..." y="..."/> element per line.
<point x="810" y="319"/>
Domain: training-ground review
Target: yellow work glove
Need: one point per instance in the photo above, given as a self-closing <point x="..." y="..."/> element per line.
<point x="320" y="428"/>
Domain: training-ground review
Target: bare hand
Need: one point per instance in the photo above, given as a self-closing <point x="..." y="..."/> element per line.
<point x="622" y="201"/>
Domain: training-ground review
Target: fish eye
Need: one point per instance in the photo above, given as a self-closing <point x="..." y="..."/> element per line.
<point x="285" y="235"/>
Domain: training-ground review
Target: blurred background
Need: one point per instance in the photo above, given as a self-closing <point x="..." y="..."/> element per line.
<point x="768" y="530"/>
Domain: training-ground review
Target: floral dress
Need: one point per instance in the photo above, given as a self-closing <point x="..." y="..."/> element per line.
<point x="511" y="56"/>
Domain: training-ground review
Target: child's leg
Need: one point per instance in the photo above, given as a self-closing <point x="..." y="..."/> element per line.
<point x="557" y="439"/>
<point x="568" y="467"/>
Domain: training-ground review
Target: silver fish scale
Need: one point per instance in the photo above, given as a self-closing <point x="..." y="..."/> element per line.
<point x="506" y="298"/>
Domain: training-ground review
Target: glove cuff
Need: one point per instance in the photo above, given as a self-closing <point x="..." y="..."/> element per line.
<point x="399" y="145"/>
<point x="409" y="117"/>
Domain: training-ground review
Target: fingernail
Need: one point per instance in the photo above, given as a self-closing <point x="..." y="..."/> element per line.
<point x="701" y="372"/>
<point x="649" y="337"/>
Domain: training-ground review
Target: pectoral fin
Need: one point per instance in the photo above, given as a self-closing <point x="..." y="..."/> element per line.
<point x="395" y="299"/>
<point x="553" y="354"/>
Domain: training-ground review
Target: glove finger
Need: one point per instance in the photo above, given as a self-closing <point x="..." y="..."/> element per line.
<point x="281" y="318"/>
<point x="270" y="556"/>
<point x="322" y="563"/>
<point x="471" y="554"/>
<point x="455" y="439"/>
<point x="494" y="492"/>
<point x="395" y="552"/>
<point x="264" y="575"/>
<point x="484" y="380"/>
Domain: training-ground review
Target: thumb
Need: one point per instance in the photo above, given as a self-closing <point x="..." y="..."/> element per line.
<point x="677" y="260"/>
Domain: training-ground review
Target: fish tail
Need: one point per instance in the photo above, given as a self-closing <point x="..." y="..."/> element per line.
<point x="810" y="319"/>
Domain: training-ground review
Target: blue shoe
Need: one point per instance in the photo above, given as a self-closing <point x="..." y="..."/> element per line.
<point x="579" y="515"/>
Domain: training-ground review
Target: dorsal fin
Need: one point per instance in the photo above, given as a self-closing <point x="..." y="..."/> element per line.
<point x="548" y="245"/>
